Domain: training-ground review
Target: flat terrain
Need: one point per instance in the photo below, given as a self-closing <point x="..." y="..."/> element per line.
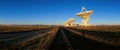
<point x="60" y="38"/>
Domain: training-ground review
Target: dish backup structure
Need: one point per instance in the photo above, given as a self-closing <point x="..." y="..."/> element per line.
<point x="70" y="22"/>
<point x="85" y="15"/>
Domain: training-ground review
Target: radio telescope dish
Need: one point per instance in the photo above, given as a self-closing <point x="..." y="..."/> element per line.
<point x="84" y="14"/>
<point x="70" y="22"/>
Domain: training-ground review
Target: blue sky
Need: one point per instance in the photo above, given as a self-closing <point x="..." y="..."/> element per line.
<point x="57" y="11"/>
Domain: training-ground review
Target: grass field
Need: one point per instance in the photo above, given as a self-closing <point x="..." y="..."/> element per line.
<point x="18" y="28"/>
<point x="38" y="37"/>
<point x="107" y="34"/>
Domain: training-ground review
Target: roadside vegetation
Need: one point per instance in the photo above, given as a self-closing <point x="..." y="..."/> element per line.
<point x="18" y="28"/>
<point x="106" y="34"/>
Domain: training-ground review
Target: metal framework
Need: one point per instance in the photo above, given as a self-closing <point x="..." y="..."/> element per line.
<point x="84" y="14"/>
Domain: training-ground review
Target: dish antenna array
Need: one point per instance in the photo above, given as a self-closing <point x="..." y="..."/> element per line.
<point x="85" y="15"/>
<point x="70" y="22"/>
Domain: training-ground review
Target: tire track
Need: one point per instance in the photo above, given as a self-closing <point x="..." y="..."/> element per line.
<point x="81" y="43"/>
<point x="25" y="41"/>
<point x="60" y="42"/>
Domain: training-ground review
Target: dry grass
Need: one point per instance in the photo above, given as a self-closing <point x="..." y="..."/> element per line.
<point x="110" y="28"/>
<point x="105" y="34"/>
<point x="33" y="40"/>
<point x="46" y="42"/>
<point x="13" y="28"/>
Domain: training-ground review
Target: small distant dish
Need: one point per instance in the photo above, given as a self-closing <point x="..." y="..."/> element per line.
<point x="70" y="22"/>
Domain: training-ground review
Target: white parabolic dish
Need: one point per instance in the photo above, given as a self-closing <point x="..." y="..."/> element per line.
<point x="70" y="20"/>
<point x="85" y="14"/>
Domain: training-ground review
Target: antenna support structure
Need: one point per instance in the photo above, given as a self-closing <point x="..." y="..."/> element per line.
<point x="84" y="15"/>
